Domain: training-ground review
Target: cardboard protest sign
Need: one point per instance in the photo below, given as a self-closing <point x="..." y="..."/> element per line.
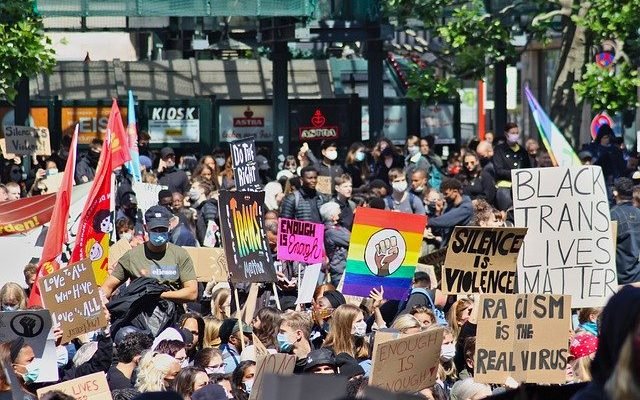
<point x="3" y="148"/>
<point x="88" y="387"/>
<point x="146" y="194"/>
<point x="568" y="248"/>
<point x="210" y="263"/>
<point x="523" y="336"/>
<point x="323" y="185"/>
<point x="383" y="251"/>
<point x="245" y="170"/>
<point x="26" y="140"/>
<point x="117" y="250"/>
<point x="309" y="283"/>
<point x="304" y="387"/>
<point x="408" y="363"/>
<point x="32" y="325"/>
<point x="72" y="296"/>
<point x="300" y="241"/>
<point x="279" y="364"/>
<point x="245" y="243"/>
<point x="436" y="257"/>
<point x="53" y="182"/>
<point x="482" y="260"/>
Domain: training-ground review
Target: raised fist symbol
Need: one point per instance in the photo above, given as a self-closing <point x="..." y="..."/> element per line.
<point x="28" y="325"/>
<point x="386" y="253"/>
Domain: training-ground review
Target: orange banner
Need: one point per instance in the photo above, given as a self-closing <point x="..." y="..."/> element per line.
<point x="91" y="120"/>
<point x="22" y="215"/>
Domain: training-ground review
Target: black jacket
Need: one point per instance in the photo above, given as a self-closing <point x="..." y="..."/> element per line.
<point x="176" y="179"/>
<point x="85" y="168"/>
<point x="303" y="206"/>
<point x="100" y="362"/>
<point x="505" y="159"/>
<point x="207" y="211"/>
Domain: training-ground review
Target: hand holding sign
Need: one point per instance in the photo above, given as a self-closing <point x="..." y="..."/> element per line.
<point x="386" y="253"/>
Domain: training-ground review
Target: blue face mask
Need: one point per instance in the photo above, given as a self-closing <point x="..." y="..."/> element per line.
<point x="590" y="327"/>
<point x="158" y="238"/>
<point x="6" y="307"/>
<point x="248" y="385"/>
<point x="359" y="156"/>
<point x="283" y="343"/>
<point x="33" y="372"/>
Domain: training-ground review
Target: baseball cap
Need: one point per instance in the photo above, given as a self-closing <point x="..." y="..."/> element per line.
<point x="157" y="217"/>
<point x="129" y="199"/>
<point x="320" y="357"/>
<point x="166" y="151"/>
<point x="262" y="163"/>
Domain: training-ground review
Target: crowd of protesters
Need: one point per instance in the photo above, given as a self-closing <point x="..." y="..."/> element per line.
<point x="200" y="351"/>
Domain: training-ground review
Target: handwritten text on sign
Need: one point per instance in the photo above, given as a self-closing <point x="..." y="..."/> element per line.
<point x="482" y="260"/>
<point x="523" y="336"/>
<point x="72" y="296"/>
<point x="407" y="364"/>
<point x="88" y="387"/>
<point x="300" y="241"/>
<point x="243" y="156"/>
<point x="569" y="247"/>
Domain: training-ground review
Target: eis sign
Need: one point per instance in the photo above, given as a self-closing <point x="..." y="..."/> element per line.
<point x="318" y="130"/>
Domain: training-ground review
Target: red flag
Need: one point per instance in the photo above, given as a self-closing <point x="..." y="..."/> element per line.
<point x="118" y="136"/>
<point x="92" y="240"/>
<point x="57" y="233"/>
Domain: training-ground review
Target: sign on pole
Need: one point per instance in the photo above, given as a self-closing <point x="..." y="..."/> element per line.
<point x="300" y="241"/>
<point x="245" y="169"/>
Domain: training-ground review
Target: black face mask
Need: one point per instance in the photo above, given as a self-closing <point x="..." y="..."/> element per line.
<point x="93" y="158"/>
<point x="130" y="212"/>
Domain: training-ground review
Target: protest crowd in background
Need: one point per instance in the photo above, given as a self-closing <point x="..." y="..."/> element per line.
<point x="212" y="291"/>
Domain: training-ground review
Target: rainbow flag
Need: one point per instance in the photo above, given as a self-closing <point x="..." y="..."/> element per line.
<point x="560" y="151"/>
<point x="383" y="251"/>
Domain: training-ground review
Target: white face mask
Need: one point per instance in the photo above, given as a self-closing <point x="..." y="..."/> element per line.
<point x="220" y="161"/>
<point x="447" y="352"/>
<point x="127" y="236"/>
<point x="359" y="156"/>
<point x="413" y="150"/>
<point x="194" y="194"/>
<point x="399" y="186"/>
<point x="331" y="154"/>
<point x="360" y="329"/>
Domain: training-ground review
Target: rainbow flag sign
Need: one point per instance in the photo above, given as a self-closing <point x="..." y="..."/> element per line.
<point x="384" y="251"/>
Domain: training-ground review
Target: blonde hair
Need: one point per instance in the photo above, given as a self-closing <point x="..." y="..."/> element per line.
<point x="152" y="370"/>
<point x="13" y="291"/>
<point x="622" y="384"/>
<point x="446" y="370"/>
<point x="454" y="315"/>
<point x="211" y="331"/>
<point x="340" y="338"/>
<point x="297" y="321"/>
<point x="582" y="369"/>
<point x="405" y="322"/>
<point x="218" y="299"/>
<point x="468" y="389"/>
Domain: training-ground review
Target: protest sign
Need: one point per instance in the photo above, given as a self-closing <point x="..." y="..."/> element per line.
<point x="146" y="194"/>
<point x="408" y="363"/>
<point x="245" y="243"/>
<point x="300" y="241"/>
<point x="22" y="215"/>
<point x="26" y="141"/>
<point x="279" y="364"/>
<point x="522" y="336"/>
<point x="88" y="387"/>
<point x="210" y="263"/>
<point x="568" y="248"/>
<point x="482" y="260"/>
<point x="245" y="170"/>
<point x="383" y="251"/>
<point x="436" y="257"/>
<point x="309" y="283"/>
<point x="117" y="250"/>
<point x="52" y="182"/>
<point x="323" y="185"/>
<point x="72" y="296"/>
<point x="304" y="387"/>
<point x="32" y="325"/>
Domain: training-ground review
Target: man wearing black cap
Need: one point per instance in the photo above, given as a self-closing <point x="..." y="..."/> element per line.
<point x="231" y="342"/>
<point x="157" y="258"/>
<point x="169" y="175"/>
<point x="321" y="361"/>
<point x="129" y="208"/>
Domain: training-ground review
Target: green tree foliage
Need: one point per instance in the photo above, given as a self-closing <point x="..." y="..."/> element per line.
<point x="24" y="49"/>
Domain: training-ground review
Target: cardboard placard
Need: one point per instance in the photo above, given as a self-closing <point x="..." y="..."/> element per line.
<point x="210" y="263"/>
<point x="383" y="251"/>
<point x="245" y="242"/>
<point x="300" y="241"/>
<point x="407" y="364"/>
<point x="279" y="364"/>
<point x="436" y="257"/>
<point x="32" y="325"/>
<point x="71" y="294"/>
<point x="245" y="170"/>
<point x="26" y="141"/>
<point x="309" y="283"/>
<point x="53" y="182"/>
<point x="482" y="260"/>
<point x="522" y="336"/>
<point x="323" y="185"/>
<point x="88" y="387"/>
<point x="3" y="148"/>
<point x="568" y="248"/>
<point x="117" y="250"/>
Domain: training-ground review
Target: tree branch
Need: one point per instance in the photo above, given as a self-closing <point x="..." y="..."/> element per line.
<point x="543" y="17"/>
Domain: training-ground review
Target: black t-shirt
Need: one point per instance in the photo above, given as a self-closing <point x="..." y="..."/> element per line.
<point x="117" y="380"/>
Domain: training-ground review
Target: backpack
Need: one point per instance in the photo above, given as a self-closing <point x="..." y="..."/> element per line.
<point x="441" y="319"/>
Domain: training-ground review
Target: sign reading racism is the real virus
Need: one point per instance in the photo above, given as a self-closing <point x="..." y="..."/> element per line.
<point x="248" y="255"/>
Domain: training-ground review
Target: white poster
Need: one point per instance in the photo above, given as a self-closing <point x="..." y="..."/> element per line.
<point x="395" y="123"/>
<point x="174" y="124"/>
<point x="242" y="121"/>
<point x="147" y="194"/>
<point x="437" y="120"/>
<point x="569" y="247"/>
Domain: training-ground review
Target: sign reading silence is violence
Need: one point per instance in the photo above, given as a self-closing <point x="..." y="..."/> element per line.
<point x="482" y="260"/>
<point x="522" y="336"/>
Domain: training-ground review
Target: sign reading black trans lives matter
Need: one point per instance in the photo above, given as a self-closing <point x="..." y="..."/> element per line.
<point x="482" y="260"/>
<point x="569" y="246"/>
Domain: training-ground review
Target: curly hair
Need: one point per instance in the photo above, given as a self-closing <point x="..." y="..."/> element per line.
<point x="153" y="368"/>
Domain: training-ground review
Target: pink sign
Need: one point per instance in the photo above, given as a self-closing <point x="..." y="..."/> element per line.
<point x="300" y="241"/>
